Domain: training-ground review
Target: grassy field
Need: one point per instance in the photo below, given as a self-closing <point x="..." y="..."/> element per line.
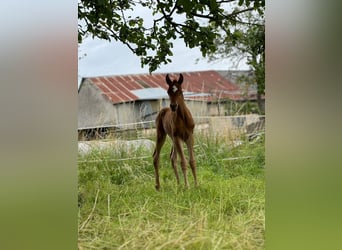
<point x="119" y="207"/>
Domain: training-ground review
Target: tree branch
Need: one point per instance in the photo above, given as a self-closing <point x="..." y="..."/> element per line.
<point x="113" y="34"/>
<point x="239" y="12"/>
<point x="227" y="1"/>
<point x="168" y="18"/>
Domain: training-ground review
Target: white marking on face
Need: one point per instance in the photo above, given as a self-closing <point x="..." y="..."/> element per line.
<point x="174" y="88"/>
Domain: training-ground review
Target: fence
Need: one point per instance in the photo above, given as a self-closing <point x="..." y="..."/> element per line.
<point x="227" y="125"/>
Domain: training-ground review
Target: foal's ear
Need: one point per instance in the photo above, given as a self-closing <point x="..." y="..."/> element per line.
<point x="168" y="80"/>
<point x="180" y="80"/>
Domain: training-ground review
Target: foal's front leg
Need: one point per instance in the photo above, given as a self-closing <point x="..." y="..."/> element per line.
<point x="192" y="161"/>
<point x="179" y="149"/>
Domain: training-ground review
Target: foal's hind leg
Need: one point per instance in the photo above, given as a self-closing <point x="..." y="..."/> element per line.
<point x="173" y="156"/>
<point x="192" y="161"/>
<point x="161" y="136"/>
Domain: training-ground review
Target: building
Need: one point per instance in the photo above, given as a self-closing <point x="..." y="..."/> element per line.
<point x="128" y="101"/>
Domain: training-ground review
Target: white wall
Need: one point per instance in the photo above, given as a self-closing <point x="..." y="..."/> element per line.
<point x="92" y="106"/>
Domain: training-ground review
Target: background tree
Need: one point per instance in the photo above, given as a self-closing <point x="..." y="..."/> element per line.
<point x="247" y="41"/>
<point x="200" y="23"/>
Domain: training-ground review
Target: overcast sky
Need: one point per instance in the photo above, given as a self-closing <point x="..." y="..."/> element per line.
<point x="104" y="58"/>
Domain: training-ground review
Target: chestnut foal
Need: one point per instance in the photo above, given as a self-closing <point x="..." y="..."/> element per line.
<point x="176" y="122"/>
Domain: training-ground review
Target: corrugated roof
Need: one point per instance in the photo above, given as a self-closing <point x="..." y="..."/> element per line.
<point x="203" y="85"/>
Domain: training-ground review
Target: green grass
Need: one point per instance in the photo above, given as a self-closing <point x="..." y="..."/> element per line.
<point x="119" y="207"/>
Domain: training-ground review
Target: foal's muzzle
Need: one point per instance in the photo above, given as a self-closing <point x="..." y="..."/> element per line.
<point x="173" y="106"/>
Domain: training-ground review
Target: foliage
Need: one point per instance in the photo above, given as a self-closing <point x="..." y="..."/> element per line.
<point x="247" y="41"/>
<point x="199" y="23"/>
<point x="241" y="108"/>
<point x="120" y="208"/>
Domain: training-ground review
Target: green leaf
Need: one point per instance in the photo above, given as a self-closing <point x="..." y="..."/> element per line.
<point x="131" y="22"/>
<point x="213" y="5"/>
<point x="104" y="19"/>
<point x="186" y="4"/>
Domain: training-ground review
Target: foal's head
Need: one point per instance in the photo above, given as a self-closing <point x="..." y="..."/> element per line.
<point x="175" y="91"/>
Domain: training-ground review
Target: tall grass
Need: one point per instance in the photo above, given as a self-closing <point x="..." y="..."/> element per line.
<point x="119" y="207"/>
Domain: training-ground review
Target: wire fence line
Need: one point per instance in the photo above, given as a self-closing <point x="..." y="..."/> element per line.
<point x="111" y="159"/>
<point x="150" y="157"/>
<point x="132" y="124"/>
<point x="238" y="124"/>
<point x="117" y="125"/>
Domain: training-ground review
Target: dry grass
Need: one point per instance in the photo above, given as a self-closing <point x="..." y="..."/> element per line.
<point x="120" y="209"/>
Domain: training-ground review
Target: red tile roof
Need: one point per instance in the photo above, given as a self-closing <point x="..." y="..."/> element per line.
<point x="118" y="88"/>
